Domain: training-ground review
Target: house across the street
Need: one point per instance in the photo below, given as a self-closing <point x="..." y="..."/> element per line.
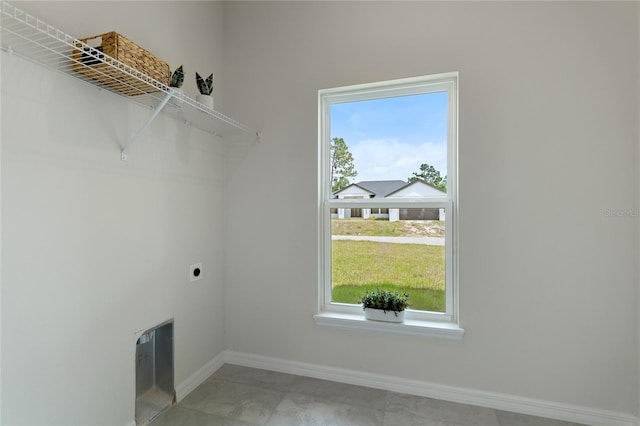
<point x="389" y="189"/>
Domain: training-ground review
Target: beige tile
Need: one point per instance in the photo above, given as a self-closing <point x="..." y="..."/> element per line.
<point x="340" y="392"/>
<point x="178" y="416"/>
<point x="255" y="377"/>
<point x="236" y="401"/>
<point x="241" y="396"/>
<point x="309" y="410"/>
<point x="409" y="410"/>
<point x="514" y="419"/>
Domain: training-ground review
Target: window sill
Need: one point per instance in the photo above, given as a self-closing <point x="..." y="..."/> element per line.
<point x="444" y="330"/>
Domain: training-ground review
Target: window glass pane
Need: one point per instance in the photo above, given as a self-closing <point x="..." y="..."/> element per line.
<point x="393" y="141"/>
<point x="405" y="252"/>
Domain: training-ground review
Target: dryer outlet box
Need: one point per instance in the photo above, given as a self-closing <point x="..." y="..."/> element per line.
<point x="195" y="272"/>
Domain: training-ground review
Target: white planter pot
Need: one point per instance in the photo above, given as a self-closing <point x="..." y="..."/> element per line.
<point x="380" y="315"/>
<point x="205" y="100"/>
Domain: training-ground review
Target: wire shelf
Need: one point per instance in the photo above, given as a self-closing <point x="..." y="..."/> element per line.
<point x="27" y="36"/>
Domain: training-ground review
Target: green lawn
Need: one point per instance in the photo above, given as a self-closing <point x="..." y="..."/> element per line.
<point x="372" y="227"/>
<point x="382" y="227"/>
<point x="360" y="266"/>
<point x="420" y="299"/>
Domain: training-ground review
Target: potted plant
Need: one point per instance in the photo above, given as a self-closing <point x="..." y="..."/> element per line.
<point x="205" y="86"/>
<point x="177" y="77"/>
<point x="384" y="305"/>
<point x="175" y="82"/>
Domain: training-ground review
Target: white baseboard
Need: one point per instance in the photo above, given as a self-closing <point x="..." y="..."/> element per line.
<point x="534" y="407"/>
<point x="197" y="378"/>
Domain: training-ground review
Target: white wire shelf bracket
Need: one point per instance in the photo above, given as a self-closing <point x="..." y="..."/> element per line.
<point x="29" y="37"/>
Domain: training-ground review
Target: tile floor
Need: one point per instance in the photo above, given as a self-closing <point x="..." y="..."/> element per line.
<point x="242" y="396"/>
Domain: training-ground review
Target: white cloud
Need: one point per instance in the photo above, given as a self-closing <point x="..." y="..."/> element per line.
<point x="389" y="159"/>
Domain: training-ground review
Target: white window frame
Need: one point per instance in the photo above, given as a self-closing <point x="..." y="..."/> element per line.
<point x="351" y="316"/>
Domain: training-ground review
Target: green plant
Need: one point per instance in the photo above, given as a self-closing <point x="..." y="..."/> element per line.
<point x="205" y="86"/>
<point x="386" y="300"/>
<point x="177" y="77"/>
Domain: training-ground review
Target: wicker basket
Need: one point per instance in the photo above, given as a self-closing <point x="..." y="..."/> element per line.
<point x="123" y="50"/>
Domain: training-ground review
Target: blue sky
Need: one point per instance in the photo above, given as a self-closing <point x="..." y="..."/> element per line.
<point x="389" y="138"/>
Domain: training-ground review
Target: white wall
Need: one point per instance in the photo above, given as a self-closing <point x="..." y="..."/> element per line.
<point x="548" y="110"/>
<point x="94" y="248"/>
<point x="637" y="176"/>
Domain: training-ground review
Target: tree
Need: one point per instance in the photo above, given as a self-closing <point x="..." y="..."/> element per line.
<point x="342" y="167"/>
<point x="430" y="175"/>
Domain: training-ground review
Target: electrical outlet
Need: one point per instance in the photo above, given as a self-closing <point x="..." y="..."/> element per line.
<point x="195" y="272"/>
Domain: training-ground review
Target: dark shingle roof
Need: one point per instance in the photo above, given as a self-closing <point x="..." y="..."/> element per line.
<point x="380" y="188"/>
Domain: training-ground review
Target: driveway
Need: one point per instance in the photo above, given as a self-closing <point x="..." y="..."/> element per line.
<point x="430" y="241"/>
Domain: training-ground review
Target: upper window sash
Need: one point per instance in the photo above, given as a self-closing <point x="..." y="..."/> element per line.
<point x="408" y="86"/>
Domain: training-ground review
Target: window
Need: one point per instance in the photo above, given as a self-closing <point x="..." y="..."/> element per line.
<point x="388" y="195"/>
